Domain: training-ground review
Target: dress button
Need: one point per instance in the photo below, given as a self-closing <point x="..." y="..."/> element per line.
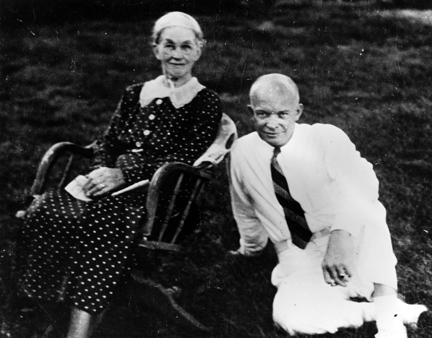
<point x="158" y="101"/>
<point x="146" y="132"/>
<point x="151" y="117"/>
<point x="138" y="144"/>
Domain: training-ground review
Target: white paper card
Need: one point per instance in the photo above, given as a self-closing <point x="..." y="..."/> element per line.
<point x="75" y="188"/>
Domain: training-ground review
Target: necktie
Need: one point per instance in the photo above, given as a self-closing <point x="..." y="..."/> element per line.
<point x="294" y="214"/>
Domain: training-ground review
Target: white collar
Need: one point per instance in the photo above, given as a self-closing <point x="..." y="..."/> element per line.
<point x="179" y="96"/>
<point x="283" y="148"/>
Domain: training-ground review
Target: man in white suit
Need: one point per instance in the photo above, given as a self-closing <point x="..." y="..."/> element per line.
<point x="308" y="189"/>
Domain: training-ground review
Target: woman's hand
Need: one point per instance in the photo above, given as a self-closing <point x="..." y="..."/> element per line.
<point x="103" y="180"/>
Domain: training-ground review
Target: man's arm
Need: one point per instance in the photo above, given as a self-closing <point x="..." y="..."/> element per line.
<point x="354" y="183"/>
<point x="253" y="237"/>
<point x="354" y="189"/>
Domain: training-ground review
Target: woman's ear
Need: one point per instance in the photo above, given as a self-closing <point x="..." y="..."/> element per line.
<point x="198" y="53"/>
<point x="156" y="51"/>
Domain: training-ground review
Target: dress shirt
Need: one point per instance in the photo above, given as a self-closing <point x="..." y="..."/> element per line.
<point x="335" y="186"/>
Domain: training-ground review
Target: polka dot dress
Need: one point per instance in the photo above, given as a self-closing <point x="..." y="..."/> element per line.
<point x="82" y="252"/>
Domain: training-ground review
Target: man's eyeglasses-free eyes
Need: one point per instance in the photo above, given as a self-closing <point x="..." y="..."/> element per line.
<point x="283" y="114"/>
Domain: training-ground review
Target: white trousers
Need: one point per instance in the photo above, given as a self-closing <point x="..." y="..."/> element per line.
<point x="304" y="303"/>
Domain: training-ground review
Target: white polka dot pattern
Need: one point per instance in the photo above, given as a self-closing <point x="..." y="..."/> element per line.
<point x="82" y="252"/>
<point x="163" y="132"/>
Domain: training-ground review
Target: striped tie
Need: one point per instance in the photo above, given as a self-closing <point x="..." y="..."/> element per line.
<point x="294" y="214"/>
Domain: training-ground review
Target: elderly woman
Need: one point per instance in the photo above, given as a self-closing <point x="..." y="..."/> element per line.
<point x="81" y="252"/>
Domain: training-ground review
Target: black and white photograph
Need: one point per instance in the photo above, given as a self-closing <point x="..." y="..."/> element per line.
<point x="215" y="169"/>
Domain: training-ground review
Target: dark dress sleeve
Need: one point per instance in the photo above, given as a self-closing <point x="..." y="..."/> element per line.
<point x="196" y="137"/>
<point x="109" y="146"/>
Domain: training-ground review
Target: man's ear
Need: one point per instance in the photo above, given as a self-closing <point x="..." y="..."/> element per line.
<point x="250" y="110"/>
<point x="299" y="111"/>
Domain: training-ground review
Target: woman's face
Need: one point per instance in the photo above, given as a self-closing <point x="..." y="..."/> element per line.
<point x="177" y="51"/>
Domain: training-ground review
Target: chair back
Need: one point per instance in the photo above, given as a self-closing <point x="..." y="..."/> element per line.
<point x="227" y="134"/>
<point x="174" y="190"/>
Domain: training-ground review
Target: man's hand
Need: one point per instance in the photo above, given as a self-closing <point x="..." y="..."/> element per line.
<point x="103" y="180"/>
<point x="338" y="262"/>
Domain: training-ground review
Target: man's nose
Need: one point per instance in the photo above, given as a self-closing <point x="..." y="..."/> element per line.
<point x="272" y="122"/>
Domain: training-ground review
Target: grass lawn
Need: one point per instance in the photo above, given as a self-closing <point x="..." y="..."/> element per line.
<point x="364" y="70"/>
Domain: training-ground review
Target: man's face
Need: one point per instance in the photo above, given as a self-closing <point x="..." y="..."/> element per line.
<point x="274" y="117"/>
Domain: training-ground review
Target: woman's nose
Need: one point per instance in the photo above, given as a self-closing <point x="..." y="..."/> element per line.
<point x="176" y="53"/>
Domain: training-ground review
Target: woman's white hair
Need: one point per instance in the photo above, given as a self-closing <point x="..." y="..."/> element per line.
<point x="176" y="19"/>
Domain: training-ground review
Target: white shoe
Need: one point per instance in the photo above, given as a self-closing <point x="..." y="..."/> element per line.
<point x="410" y="313"/>
<point x="391" y="328"/>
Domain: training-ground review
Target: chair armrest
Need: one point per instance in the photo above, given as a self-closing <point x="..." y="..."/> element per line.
<point x="50" y="158"/>
<point x="157" y="180"/>
<point x="170" y="167"/>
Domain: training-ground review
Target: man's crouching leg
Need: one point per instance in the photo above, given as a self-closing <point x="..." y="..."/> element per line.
<point x="378" y="265"/>
<point x="392" y="314"/>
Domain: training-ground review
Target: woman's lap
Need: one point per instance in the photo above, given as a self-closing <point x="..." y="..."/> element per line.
<point x="77" y="251"/>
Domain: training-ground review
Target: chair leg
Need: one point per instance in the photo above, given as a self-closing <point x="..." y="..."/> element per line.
<point x="161" y="299"/>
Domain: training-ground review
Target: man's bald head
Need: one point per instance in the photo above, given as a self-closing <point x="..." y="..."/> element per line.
<point x="275" y="107"/>
<point x="274" y="87"/>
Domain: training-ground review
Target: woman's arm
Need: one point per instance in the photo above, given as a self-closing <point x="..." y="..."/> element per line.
<point x="104" y="177"/>
<point x="196" y="139"/>
<point x="109" y="146"/>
